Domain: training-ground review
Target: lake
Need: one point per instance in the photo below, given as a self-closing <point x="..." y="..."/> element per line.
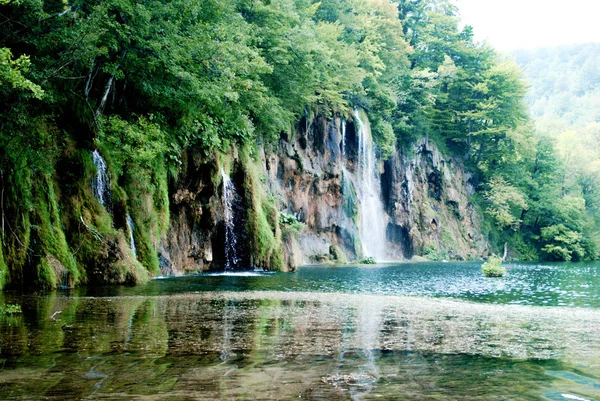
<point x="428" y="331"/>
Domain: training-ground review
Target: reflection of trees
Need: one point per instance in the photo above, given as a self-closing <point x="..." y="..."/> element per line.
<point x="238" y="346"/>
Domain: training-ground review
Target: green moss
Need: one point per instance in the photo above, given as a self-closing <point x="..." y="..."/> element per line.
<point x="262" y="225"/>
<point x="44" y="275"/>
<point x="16" y="239"/>
<point x="338" y="255"/>
<point x="3" y="269"/>
<point x="46" y="219"/>
<point x="290" y="225"/>
<point x="100" y="247"/>
<point x="148" y="205"/>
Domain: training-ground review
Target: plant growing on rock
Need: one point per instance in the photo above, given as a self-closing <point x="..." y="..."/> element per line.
<point x="493" y="267"/>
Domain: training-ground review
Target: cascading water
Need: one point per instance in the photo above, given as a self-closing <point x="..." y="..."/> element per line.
<point x="343" y="144"/>
<point x="372" y="218"/>
<point x="101" y="184"/>
<point x="229" y="196"/>
<point x="131" y="240"/>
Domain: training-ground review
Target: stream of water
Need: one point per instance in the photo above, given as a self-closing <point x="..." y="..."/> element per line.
<point x="229" y="196"/>
<point x="432" y="331"/>
<point x="372" y="218"/>
<point x="131" y="227"/>
<point x="101" y="183"/>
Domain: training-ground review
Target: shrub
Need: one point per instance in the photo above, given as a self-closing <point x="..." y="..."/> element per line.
<point x="493" y="267"/>
<point x="368" y="261"/>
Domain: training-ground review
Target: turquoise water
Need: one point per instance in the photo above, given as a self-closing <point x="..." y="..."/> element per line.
<point x="432" y="331"/>
<point x="558" y="284"/>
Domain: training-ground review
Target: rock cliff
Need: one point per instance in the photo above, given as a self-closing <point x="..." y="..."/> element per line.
<point x="311" y="177"/>
<point x="318" y="194"/>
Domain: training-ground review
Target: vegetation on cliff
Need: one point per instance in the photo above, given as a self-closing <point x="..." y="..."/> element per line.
<point x="146" y="81"/>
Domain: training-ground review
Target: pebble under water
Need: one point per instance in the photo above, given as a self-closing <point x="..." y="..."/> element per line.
<point x="434" y="331"/>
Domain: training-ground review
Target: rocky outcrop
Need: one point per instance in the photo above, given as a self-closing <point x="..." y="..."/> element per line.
<point x="306" y="178"/>
<point x="427" y="198"/>
<point x="316" y="195"/>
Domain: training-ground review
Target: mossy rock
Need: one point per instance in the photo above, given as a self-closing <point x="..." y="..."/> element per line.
<point x="338" y="255"/>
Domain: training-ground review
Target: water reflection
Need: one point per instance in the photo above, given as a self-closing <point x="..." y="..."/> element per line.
<point x="261" y="345"/>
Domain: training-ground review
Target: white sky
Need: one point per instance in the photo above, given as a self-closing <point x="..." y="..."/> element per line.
<point x="515" y="24"/>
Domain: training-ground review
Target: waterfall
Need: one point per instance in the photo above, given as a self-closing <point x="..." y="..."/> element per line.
<point x="101" y="184"/>
<point x="343" y="144"/>
<point x="131" y="241"/>
<point x="229" y="196"/>
<point x="372" y="218"/>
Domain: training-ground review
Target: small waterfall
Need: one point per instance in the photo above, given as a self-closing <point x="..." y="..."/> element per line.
<point x="131" y="241"/>
<point x="372" y="218"/>
<point x="101" y="184"/>
<point x="343" y="144"/>
<point x="229" y="196"/>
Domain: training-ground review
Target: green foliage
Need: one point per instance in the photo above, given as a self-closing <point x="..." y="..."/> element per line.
<point x="51" y="243"/>
<point x="290" y="225"/>
<point x="368" y="261"/>
<point x="338" y="255"/>
<point x="431" y="252"/>
<point x="263" y="220"/>
<point x="564" y="81"/>
<point x="11" y="73"/>
<point x="10" y="309"/>
<point x="3" y="268"/>
<point x="562" y="243"/>
<point x="505" y="203"/>
<point x="493" y="267"/>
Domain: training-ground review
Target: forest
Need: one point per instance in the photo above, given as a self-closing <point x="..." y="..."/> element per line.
<point x="146" y="81"/>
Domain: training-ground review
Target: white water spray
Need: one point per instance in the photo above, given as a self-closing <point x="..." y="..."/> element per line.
<point x="343" y="144"/>
<point x="101" y="184"/>
<point x="229" y="196"/>
<point x="372" y="218"/>
<point x="131" y="240"/>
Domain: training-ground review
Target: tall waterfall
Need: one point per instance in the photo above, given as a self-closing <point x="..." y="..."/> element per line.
<point x="229" y="196"/>
<point x="131" y="240"/>
<point x="372" y="218"/>
<point x="343" y="144"/>
<point x="101" y="184"/>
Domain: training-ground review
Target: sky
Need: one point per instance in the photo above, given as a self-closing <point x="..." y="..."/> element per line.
<point x="526" y="24"/>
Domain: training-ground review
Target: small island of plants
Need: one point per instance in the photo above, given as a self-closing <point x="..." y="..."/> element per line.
<point x="493" y="267"/>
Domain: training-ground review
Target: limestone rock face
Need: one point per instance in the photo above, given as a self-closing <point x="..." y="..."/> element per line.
<point x="425" y="196"/>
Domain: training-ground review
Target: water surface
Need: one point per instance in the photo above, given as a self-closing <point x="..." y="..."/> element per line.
<point x="549" y="284"/>
<point x="409" y="332"/>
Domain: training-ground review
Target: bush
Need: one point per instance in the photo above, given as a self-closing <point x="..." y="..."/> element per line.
<point x="368" y="261"/>
<point x="493" y="267"/>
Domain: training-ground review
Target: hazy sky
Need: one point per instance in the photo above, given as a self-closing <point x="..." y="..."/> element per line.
<point x="514" y="24"/>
